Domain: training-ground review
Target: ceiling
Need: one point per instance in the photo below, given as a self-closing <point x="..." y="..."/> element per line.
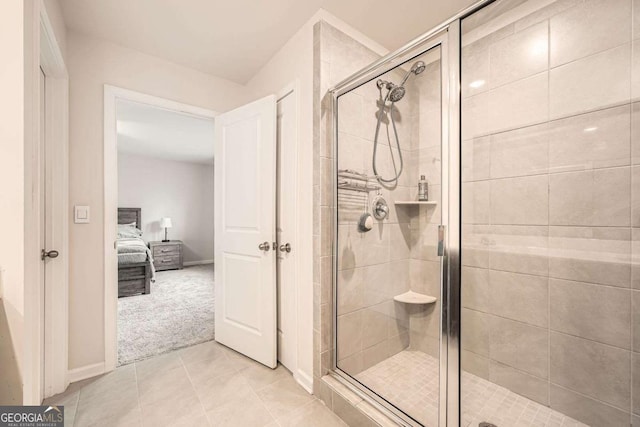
<point x="150" y="131"/>
<point x="233" y="39"/>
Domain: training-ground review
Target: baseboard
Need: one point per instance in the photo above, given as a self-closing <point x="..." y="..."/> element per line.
<point x="84" y="372"/>
<point x="203" y="262"/>
<point x="304" y="380"/>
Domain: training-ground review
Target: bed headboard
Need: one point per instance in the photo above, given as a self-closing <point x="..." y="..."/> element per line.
<point x="129" y="215"/>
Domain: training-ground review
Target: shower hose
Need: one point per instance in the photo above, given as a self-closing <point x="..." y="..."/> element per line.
<point x="375" y="142"/>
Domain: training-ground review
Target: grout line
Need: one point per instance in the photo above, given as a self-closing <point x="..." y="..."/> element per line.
<point x="263" y="405"/>
<point x="551" y="120"/>
<point x="553" y="173"/>
<point x="547" y="276"/>
<point x="590" y="397"/>
<point x="549" y="68"/>
<point x="184" y="366"/>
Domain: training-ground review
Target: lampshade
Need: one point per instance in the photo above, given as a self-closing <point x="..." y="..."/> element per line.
<point x="165" y="222"/>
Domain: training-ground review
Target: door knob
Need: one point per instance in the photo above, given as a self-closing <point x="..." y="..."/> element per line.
<point x="48" y="254"/>
<point x="264" y="246"/>
<point x="285" y="248"/>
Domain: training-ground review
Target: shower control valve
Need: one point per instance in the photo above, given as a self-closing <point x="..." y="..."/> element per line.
<point x="380" y="208"/>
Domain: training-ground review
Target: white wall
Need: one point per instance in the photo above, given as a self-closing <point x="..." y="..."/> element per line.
<point x="54" y="12"/>
<point x="294" y="63"/>
<point x="12" y="189"/>
<point x="180" y="190"/>
<point x="91" y="64"/>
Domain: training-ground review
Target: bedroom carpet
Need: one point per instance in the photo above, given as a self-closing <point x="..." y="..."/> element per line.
<point x="177" y="313"/>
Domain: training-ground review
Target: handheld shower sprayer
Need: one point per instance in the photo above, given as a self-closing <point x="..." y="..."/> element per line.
<point x="394" y="94"/>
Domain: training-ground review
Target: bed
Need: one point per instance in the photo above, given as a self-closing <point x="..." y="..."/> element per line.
<point x="135" y="264"/>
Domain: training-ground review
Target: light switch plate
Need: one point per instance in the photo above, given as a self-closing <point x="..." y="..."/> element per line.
<point x="81" y="214"/>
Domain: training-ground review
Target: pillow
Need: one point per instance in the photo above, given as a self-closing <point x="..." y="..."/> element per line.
<point x="128" y="231"/>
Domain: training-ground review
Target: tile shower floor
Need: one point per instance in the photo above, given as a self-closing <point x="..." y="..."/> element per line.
<point x="410" y="378"/>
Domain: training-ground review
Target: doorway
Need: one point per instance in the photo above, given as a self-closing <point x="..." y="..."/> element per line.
<point x="165" y="230"/>
<point x="132" y="144"/>
<point x="285" y="126"/>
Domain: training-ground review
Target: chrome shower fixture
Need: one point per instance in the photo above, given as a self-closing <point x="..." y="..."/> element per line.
<point x="394" y="94"/>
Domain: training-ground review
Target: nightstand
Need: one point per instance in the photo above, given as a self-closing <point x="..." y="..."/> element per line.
<point x="166" y="255"/>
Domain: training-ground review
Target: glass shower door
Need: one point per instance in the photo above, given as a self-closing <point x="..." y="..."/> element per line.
<point x="389" y="206"/>
<point x="549" y="214"/>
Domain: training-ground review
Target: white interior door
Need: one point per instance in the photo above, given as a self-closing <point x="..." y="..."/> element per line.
<point x="245" y="213"/>
<point x="286" y="228"/>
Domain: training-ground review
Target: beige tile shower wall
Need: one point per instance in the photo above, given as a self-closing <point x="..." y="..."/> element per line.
<point x="336" y="56"/>
<point x="373" y="266"/>
<point x="551" y="202"/>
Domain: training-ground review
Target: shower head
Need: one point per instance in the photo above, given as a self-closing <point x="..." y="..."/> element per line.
<point x="396" y="93"/>
<point x="418" y="67"/>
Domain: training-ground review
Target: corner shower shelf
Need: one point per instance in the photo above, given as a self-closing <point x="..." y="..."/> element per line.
<point x="416" y="203"/>
<point x="411" y="297"/>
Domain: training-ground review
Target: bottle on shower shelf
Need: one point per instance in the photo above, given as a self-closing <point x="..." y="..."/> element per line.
<point x="423" y="189"/>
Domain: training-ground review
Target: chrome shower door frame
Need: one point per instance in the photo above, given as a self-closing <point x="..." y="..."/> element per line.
<point x="440" y="37"/>
<point x="448" y="37"/>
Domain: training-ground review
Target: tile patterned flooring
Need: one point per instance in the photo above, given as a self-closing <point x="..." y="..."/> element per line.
<point x="204" y="385"/>
<point x="410" y="378"/>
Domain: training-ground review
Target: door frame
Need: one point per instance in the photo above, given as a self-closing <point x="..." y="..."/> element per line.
<point x="293" y="89"/>
<point x="439" y="38"/>
<point x="111" y="95"/>
<point x="45" y="347"/>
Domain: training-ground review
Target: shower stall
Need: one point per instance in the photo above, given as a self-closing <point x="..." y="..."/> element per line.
<point x="507" y="291"/>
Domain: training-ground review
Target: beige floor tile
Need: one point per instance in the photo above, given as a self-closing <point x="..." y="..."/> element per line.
<point x="205" y="351"/>
<point x="110" y="384"/>
<point x="131" y="419"/>
<point x="212" y="368"/>
<point x="208" y="384"/>
<point x="259" y="376"/>
<point x="314" y="414"/>
<point x="180" y="410"/>
<point x="283" y="397"/>
<point x="242" y="411"/>
<point x="215" y="392"/>
<point x="70" y="395"/>
<point x="111" y="409"/>
<point x="239" y="358"/>
<point x="69" y="399"/>
<point x="165" y="385"/>
<point x="155" y="364"/>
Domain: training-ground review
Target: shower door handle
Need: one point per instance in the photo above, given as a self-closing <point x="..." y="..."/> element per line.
<point x="441" y="233"/>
